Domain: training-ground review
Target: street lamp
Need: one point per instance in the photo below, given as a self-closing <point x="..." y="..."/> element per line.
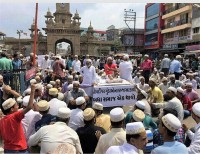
<point x="130" y="15"/>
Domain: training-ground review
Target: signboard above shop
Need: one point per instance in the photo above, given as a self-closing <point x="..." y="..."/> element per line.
<point x="192" y="47"/>
<point x="170" y="46"/>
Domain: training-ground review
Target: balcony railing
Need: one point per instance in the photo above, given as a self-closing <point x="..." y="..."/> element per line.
<point x="177" y="23"/>
<point x="175" y="8"/>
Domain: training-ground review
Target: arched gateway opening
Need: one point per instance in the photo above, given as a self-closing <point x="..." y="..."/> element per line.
<point x="63" y="47"/>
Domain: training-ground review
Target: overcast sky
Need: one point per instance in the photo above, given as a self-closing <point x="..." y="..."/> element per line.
<point x="19" y="16"/>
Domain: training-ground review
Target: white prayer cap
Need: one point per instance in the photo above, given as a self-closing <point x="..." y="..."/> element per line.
<point x="76" y="82"/>
<point x="97" y="106"/>
<point x="32" y="81"/>
<point x="162" y="73"/>
<point x="51" y="71"/>
<point x="89" y="60"/>
<point x="196" y="109"/>
<point x="138" y="115"/>
<point x="38" y="86"/>
<point x="180" y="90"/>
<point x="31" y="54"/>
<point x="80" y="100"/>
<point x="164" y="79"/>
<point x="37" y="77"/>
<point x="109" y="58"/>
<point x="171" y="122"/>
<point x="26" y="100"/>
<point x="76" y="56"/>
<point x="64" y="112"/>
<point x="70" y="77"/>
<point x="19" y="99"/>
<point x="53" y="91"/>
<point x="126" y="56"/>
<point x="178" y="57"/>
<point x="20" y="55"/>
<point x="43" y="105"/>
<point x="60" y="96"/>
<point x="172" y="89"/>
<point x="144" y="93"/>
<point x="39" y="74"/>
<point x="189" y="84"/>
<point x="8" y="103"/>
<point x="134" y="128"/>
<point x="57" y="80"/>
<point x="70" y="87"/>
<point x="172" y="76"/>
<point x="49" y="86"/>
<point x="1" y="77"/>
<point x="140" y="105"/>
<point x="117" y="114"/>
<point x="166" y="55"/>
<point x="146" y="55"/>
<point x="27" y="91"/>
<point x="88" y="114"/>
<point x="58" y="56"/>
<point x="52" y="83"/>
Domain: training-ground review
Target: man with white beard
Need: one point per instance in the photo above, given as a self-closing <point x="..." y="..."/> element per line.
<point x="125" y="69"/>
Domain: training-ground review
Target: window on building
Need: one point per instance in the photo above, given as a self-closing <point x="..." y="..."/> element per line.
<point x="152" y="10"/>
<point x="196" y="30"/>
<point x="183" y="32"/>
<point x="170" y="22"/>
<point x="152" y="24"/>
<point x="184" y="18"/>
<point x="151" y="37"/>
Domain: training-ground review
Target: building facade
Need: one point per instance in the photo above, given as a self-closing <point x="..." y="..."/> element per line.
<point x="152" y="28"/>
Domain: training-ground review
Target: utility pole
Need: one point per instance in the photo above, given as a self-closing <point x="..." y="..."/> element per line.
<point x="130" y="15"/>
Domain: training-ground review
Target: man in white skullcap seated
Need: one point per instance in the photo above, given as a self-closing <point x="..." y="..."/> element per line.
<point x="67" y="83"/>
<point x="173" y="82"/>
<point x="168" y="127"/>
<point x="12" y="133"/>
<point x="191" y="93"/>
<point x="75" y="93"/>
<point x="102" y="120"/>
<point x="125" y="69"/>
<point x="88" y="134"/>
<point x="76" y="119"/>
<point x="117" y="135"/>
<point x="194" y="137"/>
<point x="46" y="119"/>
<point x="191" y="80"/>
<point x="27" y="121"/>
<point x="142" y="85"/>
<point x="136" y="140"/>
<point x="51" y="136"/>
<point x="163" y="86"/>
<point x="54" y="102"/>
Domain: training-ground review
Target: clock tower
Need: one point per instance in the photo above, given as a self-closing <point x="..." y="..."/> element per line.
<point x="64" y="28"/>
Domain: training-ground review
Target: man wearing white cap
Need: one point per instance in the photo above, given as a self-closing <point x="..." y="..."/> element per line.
<point x="76" y="64"/>
<point x="28" y="121"/>
<point x="76" y="119"/>
<point x="51" y="136"/>
<point x="117" y="135"/>
<point x="125" y="69"/>
<point x="67" y="83"/>
<point x="165" y="64"/>
<point x="175" y="67"/>
<point x="146" y="66"/>
<point x="192" y="94"/>
<point x="163" y="86"/>
<point x="192" y="80"/>
<point x="136" y="139"/>
<point x="54" y="102"/>
<point x="11" y="128"/>
<point x="142" y="85"/>
<point x="87" y="134"/>
<point x="173" y="82"/>
<point x="186" y="102"/>
<point x="168" y="127"/>
<point x="46" y="64"/>
<point x="194" y="137"/>
<point x="174" y="102"/>
<point x="102" y="120"/>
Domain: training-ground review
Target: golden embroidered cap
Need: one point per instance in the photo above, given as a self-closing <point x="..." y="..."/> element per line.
<point x="57" y="80"/>
<point x="97" y="106"/>
<point x="88" y="114"/>
<point x="171" y="122"/>
<point x="196" y="109"/>
<point x="140" y="105"/>
<point x="117" y="114"/>
<point x="53" y="91"/>
<point x="43" y="105"/>
<point x="8" y="103"/>
<point x="64" y="112"/>
<point x="134" y="128"/>
<point x="80" y="100"/>
<point x="138" y="115"/>
<point x="60" y="96"/>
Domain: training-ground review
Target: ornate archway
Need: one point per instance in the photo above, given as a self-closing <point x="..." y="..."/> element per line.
<point x="66" y="41"/>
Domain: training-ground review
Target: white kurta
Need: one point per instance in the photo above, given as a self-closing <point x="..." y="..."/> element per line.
<point x="126" y="148"/>
<point x="76" y="119"/>
<point x="125" y="70"/>
<point x="76" y="65"/>
<point x="51" y="136"/>
<point x="55" y="104"/>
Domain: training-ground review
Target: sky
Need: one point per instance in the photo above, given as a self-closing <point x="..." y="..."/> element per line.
<point x="19" y="16"/>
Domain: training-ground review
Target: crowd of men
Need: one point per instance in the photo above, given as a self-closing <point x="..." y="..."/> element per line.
<point x="56" y="113"/>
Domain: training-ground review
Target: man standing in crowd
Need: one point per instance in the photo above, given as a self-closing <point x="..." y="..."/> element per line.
<point x="125" y="69"/>
<point x="46" y="64"/>
<point x="16" y="62"/>
<point x="165" y="65"/>
<point x="146" y="66"/>
<point x="76" y="64"/>
<point x="110" y="68"/>
<point x="58" y="68"/>
<point x="175" y="67"/>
